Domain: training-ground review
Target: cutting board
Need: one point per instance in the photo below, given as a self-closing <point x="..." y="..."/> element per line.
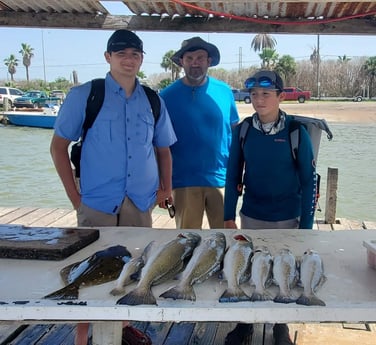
<point x="40" y="243"/>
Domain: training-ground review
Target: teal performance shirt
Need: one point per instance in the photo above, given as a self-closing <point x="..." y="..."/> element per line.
<point x="276" y="188"/>
<point x="202" y="118"/>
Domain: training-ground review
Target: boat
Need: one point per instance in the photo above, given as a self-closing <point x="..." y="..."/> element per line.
<point x="41" y="117"/>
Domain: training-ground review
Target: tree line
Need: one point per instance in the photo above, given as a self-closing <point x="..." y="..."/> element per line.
<point x="343" y="77"/>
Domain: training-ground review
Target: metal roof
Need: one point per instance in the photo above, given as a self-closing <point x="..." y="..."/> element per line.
<point x="337" y="17"/>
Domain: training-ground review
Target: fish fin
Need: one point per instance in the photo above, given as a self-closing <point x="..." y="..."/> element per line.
<point x="310" y="300"/>
<point x="234" y="295"/>
<point x="321" y="282"/>
<point x="140" y="295"/>
<point x="67" y="292"/>
<point x="259" y="297"/>
<point x="180" y="292"/>
<point x="117" y="291"/>
<point x="284" y="299"/>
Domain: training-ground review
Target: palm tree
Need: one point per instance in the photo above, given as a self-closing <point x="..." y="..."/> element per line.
<point x="269" y="58"/>
<point x="168" y="65"/>
<point x="286" y="67"/>
<point x="11" y="62"/>
<point x="370" y="69"/>
<point x="262" y="41"/>
<point x="27" y="54"/>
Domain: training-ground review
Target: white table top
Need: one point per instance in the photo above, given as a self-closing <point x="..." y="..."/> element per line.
<point x="349" y="292"/>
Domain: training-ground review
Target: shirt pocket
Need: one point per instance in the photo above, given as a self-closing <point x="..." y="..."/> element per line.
<point x="108" y="125"/>
<point x="145" y="128"/>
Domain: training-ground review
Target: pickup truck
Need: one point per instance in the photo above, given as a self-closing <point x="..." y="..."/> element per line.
<point x="241" y="95"/>
<point x="296" y="94"/>
<point x="34" y="99"/>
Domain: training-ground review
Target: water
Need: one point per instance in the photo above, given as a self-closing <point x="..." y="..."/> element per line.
<point x="28" y="177"/>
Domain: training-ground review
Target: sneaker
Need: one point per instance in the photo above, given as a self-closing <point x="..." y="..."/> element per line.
<point x="281" y="334"/>
<point x="133" y="336"/>
<point x="239" y="334"/>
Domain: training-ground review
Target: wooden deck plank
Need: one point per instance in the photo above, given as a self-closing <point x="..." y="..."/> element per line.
<point x="68" y="220"/>
<point x="15" y="216"/>
<point x="369" y="225"/>
<point x="51" y="218"/>
<point x="33" y="217"/>
<point x="180" y="333"/>
<point x="204" y="333"/>
<point x="6" y="210"/>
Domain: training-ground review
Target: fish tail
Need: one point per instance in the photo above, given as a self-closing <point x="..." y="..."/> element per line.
<point x="260" y="296"/>
<point x="284" y="299"/>
<point x="310" y="300"/>
<point x="68" y="292"/>
<point x="234" y="295"/>
<point x="180" y="292"/>
<point x="140" y="295"/>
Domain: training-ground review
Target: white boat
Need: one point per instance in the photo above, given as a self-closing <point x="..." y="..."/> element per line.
<point x="42" y="117"/>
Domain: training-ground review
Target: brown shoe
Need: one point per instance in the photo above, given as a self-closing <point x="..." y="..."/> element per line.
<point x="133" y="336"/>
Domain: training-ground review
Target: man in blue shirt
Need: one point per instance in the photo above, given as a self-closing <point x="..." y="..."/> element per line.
<point x="202" y="111"/>
<point x="126" y="161"/>
<point x="119" y="183"/>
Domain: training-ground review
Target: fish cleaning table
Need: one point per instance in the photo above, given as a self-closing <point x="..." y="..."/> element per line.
<point x="349" y="292"/>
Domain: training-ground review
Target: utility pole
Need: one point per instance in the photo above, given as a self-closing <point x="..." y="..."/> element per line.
<point x="318" y="67"/>
<point x="240" y="59"/>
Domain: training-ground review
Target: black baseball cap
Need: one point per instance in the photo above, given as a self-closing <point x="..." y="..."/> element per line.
<point x="122" y="39"/>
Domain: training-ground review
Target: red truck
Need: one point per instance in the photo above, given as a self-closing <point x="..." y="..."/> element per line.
<point x="296" y="94"/>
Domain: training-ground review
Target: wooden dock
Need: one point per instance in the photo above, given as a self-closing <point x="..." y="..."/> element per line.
<point x="169" y="333"/>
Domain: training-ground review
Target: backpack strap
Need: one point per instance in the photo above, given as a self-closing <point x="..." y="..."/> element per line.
<point x="93" y="104"/>
<point x="294" y="133"/>
<point x="244" y="130"/>
<point x="244" y="127"/>
<point x="154" y="101"/>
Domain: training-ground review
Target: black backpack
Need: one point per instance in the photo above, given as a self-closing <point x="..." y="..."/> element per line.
<point x="93" y="106"/>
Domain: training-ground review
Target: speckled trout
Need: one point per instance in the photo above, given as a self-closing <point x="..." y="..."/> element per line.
<point x="164" y="263"/>
<point x="206" y="260"/>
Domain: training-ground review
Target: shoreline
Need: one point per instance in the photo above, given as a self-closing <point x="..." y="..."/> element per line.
<point x="340" y="112"/>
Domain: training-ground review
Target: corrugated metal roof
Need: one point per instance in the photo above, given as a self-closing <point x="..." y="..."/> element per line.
<point x="177" y="15"/>
<point x="53" y="6"/>
<point x="260" y="9"/>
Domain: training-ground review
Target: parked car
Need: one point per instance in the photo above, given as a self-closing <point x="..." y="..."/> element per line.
<point x="241" y="95"/>
<point x="34" y="99"/>
<point x="10" y="93"/>
<point x="296" y="94"/>
<point x="58" y="93"/>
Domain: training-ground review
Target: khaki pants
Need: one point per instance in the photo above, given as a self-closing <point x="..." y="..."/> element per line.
<point x="191" y="202"/>
<point x="129" y="215"/>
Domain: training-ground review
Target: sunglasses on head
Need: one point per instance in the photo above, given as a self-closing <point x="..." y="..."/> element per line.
<point x="265" y="82"/>
<point x="170" y="208"/>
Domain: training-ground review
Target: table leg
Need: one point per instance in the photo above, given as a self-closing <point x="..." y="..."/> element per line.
<point x="107" y="332"/>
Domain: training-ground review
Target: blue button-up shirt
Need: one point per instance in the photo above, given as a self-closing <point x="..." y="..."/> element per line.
<point x="118" y="157"/>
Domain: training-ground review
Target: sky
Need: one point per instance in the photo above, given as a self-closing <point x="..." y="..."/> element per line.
<point x="58" y="52"/>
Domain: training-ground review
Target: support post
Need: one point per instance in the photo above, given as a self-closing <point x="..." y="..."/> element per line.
<point x="331" y="196"/>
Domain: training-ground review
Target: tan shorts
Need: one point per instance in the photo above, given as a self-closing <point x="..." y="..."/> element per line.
<point x="129" y="215"/>
<point x="192" y="202"/>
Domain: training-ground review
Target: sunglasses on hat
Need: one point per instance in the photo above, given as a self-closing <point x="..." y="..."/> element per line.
<point x="263" y="82"/>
